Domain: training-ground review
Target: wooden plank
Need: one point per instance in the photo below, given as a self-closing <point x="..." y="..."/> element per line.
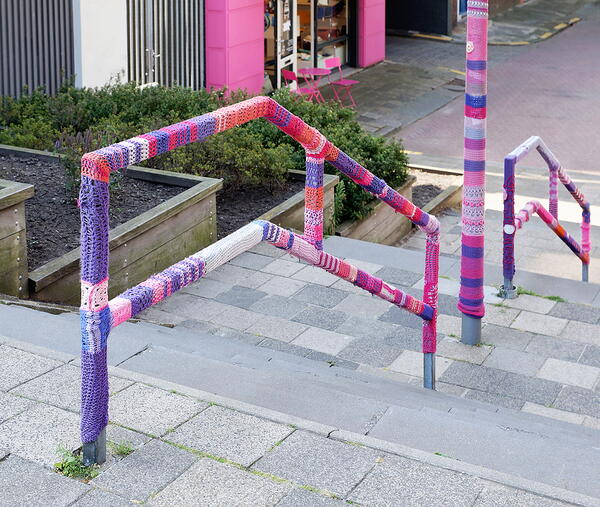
<point x="13" y="192"/>
<point x="12" y="220"/>
<point x="13" y="265"/>
<point x="139" y="245"/>
<point x="67" y="289"/>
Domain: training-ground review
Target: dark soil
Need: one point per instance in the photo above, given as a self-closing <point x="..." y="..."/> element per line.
<point x="422" y="194"/>
<point x="236" y="208"/>
<point x="53" y="217"/>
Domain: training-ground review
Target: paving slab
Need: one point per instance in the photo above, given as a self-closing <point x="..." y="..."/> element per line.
<point x="373" y="351"/>
<point x="447" y="305"/>
<point x="496" y="495"/>
<point x="366" y="327"/>
<point x="242" y="297"/>
<point x="364" y="306"/>
<point x="146" y="471"/>
<point x="540" y="324"/>
<point x="283" y="267"/>
<point x="228" y="273"/>
<point x="449" y="325"/>
<point x="99" y="498"/>
<point x="278" y="306"/>
<point x="578" y="400"/>
<point x="591" y="356"/>
<point x="515" y="361"/>
<point x="411" y="363"/>
<point x="211" y="483"/>
<point x="319" y="295"/>
<point x="527" y="388"/>
<point x="495" y="399"/>
<point x="573" y="311"/>
<point x="12" y="405"/>
<point x="500" y="315"/>
<point x="566" y="372"/>
<point x="301" y="497"/>
<point x="268" y="250"/>
<point x="454" y="349"/>
<point x="277" y="328"/>
<point x="324" y="318"/>
<point x="251" y="260"/>
<point x="39" y="432"/>
<point x="399" y="277"/>
<point x="61" y="387"/>
<point x="468" y="375"/>
<point x="558" y="348"/>
<point x="190" y="306"/>
<point x="282" y="286"/>
<point x="582" y="332"/>
<point x="400" y="481"/>
<point x="306" y="458"/>
<point x="401" y="317"/>
<point x="152" y="410"/>
<point x="17" y="366"/>
<point x="313" y="274"/>
<point x="231" y="435"/>
<point x="505" y="337"/>
<point x="531" y="303"/>
<point x="23" y="482"/>
<point x="554" y="413"/>
<point x="321" y="340"/>
<point x="207" y="288"/>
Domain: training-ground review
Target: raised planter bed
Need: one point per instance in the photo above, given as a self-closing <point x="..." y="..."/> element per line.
<point x="383" y="225"/>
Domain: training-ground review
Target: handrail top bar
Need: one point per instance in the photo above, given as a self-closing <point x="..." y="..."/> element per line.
<point x="98" y="165"/>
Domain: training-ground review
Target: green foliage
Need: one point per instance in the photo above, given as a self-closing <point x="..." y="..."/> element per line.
<point x="76" y="121"/>
<point x="72" y="466"/>
<point x="121" y="448"/>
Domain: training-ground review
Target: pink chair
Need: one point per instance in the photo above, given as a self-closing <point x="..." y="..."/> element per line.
<point x="342" y="87"/>
<point x="290" y="77"/>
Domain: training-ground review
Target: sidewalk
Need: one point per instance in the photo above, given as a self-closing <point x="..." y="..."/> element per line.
<point x="186" y="447"/>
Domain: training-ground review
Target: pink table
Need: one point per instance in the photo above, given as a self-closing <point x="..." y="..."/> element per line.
<point x="312" y="76"/>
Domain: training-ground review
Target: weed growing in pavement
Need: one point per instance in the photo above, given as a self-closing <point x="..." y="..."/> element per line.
<point x="121" y="449"/>
<point x="72" y="466"/>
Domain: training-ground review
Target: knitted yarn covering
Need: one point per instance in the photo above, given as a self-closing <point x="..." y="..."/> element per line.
<point x="99" y="315"/>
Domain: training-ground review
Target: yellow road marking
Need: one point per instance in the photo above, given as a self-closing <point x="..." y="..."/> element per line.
<point x="413" y="152"/>
<point x="574" y="20"/>
<point x="546" y="35"/>
<point x="434" y="37"/>
<point x="560" y="26"/>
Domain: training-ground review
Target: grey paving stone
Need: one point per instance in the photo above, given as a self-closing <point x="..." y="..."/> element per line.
<point x="500" y="315"/>
<point x="400" y="316"/>
<point x="531" y="303"/>
<point x="454" y="349"/>
<point x="591" y="356"/>
<point x="228" y="434"/>
<point x="29" y="484"/>
<point x="284" y="347"/>
<point x="236" y="318"/>
<point x="554" y="413"/>
<point x="515" y="361"/>
<point x="228" y="273"/>
<point x="211" y="483"/>
<point x="540" y="324"/>
<point x="207" y="288"/>
<point x="239" y="296"/>
<point x="400" y="481"/>
<point x="371" y="351"/>
<point x="495" y="399"/>
<point x="266" y="249"/>
<point x="364" y="327"/>
<point x="62" y="387"/>
<point x="319" y="295"/>
<point x="152" y="410"/>
<point x="12" y="405"/>
<point x="555" y="347"/>
<point x="145" y="471"/>
<point x="37" y="433"/>
<point x="497" y="495"/>
<point x="254" y="280"/>
<point x="306" y="458"/>
<point x="234" y="334"/>
<point x="321" y="317"/>
<point x="323" y="340"/>
<point x="447" y="305"/>
<point x="251" y="260"/>
<point x="573" y="311"/>
<point x="99" y="498"/>
<point x="582" y="332"/>
<point x="365" y="306"/>
<point x="17" y="366"/>
<point x="332" y="360"/>
<point x="468" y="375"/>
<point x="190" y="306"/>
<point x="116" y="435"/>
<point x="505" y="337"/>
<point x="299" y="497"/>
<point x="275" y="327"/>
<point x="278" y="306"/>
<point x="282" y="286"/>
<point x="578" y="400"/>
<point x="283" y="267"/>
<point x="566" y="372"/>
<point x="398" y="277"/>
<point x="536" y="390"/>
<point x="313" y="274"/>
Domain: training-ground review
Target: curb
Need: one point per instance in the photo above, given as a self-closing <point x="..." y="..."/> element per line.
<point x="559" y="27"/>
<point x="330" y="431"/>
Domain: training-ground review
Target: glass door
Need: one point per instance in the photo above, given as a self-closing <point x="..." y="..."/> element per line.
<point x="286" y="44"/>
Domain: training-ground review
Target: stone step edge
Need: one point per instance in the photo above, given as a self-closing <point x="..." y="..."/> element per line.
<point x="329" y="431"/>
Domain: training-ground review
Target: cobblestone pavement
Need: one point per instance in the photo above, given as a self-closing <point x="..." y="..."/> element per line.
<point x="538" y="355"/>
<point x="182" y="450"/>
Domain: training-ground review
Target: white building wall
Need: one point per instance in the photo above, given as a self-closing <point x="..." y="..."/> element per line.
<point x="100" y="41"/>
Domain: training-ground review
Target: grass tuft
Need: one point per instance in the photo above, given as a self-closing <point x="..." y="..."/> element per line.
<point x="72" y="466"/>
<point x="121" y="448"/>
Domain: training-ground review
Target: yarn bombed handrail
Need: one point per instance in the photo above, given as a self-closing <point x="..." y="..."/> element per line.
<point x="99" y="315"/>
<point x="513" y="223"/>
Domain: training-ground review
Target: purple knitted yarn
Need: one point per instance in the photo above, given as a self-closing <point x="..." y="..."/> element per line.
<point x="93" y="202"/>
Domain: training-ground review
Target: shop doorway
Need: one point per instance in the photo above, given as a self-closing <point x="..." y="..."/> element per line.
<point x="304" y="33"/>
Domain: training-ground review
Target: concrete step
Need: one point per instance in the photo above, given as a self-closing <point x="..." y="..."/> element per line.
<point x="532" y="447"/>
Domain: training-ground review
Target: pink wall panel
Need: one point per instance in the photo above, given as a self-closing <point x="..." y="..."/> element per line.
<point x="371" y="32"/>
<point x="234" y="44"/>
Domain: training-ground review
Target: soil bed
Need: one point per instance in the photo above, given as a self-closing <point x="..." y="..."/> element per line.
<point x="53" y="217"/>
<point x="430" y="185"/>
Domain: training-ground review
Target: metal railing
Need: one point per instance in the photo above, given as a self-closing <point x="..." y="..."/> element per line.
<point x="513" y="222"/>
<point x="99" y="315"/>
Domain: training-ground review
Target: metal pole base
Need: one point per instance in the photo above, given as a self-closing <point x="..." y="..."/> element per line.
<point x="585" y="268"/>
<point x="429" y="370"/>
<point x="471" y="330"/>
<point x="95" y="452"/>
<point x="508" y="293"/>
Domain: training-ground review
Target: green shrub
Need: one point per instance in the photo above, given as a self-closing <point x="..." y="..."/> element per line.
<point x="76" y="121"/>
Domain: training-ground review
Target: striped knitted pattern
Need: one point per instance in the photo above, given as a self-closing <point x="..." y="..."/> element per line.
<point x="512" y="223"/>
<point x="99" y="315"/>
<point x="473" y="211"/>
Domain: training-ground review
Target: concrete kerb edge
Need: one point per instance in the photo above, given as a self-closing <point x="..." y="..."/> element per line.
<point x="328" y="431"/>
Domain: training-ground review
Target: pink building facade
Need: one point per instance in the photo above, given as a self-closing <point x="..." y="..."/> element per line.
<point x="235" y="40"/>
